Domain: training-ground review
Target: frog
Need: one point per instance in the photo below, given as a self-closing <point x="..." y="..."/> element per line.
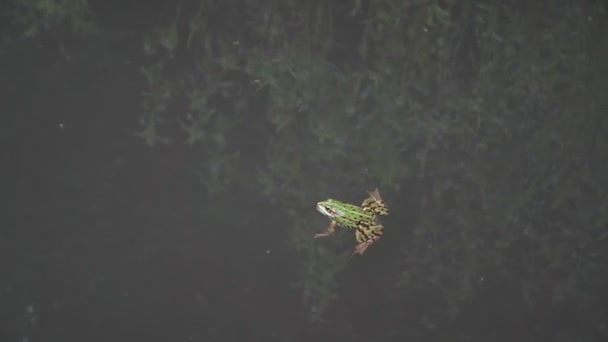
<point x="363" y="219"/>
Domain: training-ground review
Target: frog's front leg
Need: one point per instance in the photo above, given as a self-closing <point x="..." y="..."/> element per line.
<point x="366" y="236"/>
<point x="330" y="230"/>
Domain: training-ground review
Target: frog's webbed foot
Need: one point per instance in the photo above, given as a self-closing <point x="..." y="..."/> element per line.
<point x="360" y="248"/>
<point x="330" y="230"/>
<point x="375" y="195"/>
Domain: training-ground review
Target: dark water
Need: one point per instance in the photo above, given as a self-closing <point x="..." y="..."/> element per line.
<point x="106" y="239"/>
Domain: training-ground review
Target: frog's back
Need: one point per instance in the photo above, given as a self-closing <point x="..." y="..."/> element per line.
<point x="353" y="214"/>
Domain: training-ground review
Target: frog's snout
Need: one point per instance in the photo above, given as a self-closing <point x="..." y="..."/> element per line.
<point x="325" y="210"/>
<point x="320" y="208"/>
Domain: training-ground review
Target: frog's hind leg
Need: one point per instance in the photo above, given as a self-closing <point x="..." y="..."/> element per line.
<point x="375" y="204"/>
<point x="366" y="236"/>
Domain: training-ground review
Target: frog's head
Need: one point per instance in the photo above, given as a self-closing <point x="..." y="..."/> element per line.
<point x="330" y="208"/>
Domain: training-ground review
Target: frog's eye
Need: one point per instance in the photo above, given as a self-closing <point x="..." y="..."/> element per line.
<point x="330" y="211"/>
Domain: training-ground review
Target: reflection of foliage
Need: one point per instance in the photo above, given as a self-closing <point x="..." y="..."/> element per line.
<point x="37" y="15"/>
<point x="487" y="111"/>
<point x="476" y="100"/>
<point x="485" y="103"/>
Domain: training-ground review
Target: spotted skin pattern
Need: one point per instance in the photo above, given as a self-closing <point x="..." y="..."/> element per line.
<point x="363" y="219"/>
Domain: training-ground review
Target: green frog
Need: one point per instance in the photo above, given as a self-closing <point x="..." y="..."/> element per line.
<point x="363" y="219"/>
